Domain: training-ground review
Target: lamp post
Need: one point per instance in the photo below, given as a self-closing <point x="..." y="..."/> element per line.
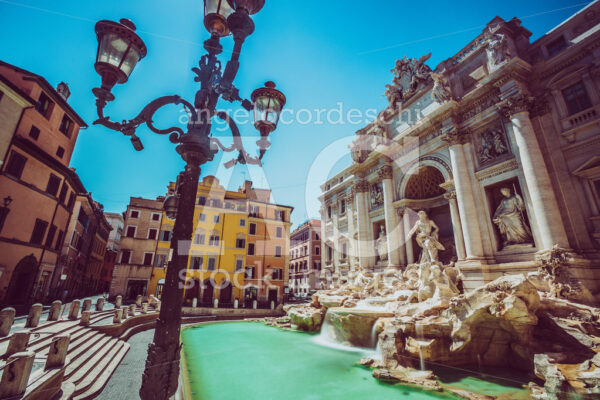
<point x="119" y="50"/>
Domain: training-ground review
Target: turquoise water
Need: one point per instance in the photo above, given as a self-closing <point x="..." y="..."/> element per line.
<point x="247" y="360"/>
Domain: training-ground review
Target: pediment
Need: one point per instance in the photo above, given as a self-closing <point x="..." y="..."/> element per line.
<point x="589" y="168"/>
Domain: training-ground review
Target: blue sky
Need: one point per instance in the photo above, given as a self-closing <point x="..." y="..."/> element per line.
<point x="323" y="54"/>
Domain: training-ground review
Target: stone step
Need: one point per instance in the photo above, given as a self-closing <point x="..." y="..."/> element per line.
<point x="96" y="356"/>
<point x="74" y="341"/>
<point x="97" y="383"/>
<point x="81" y="356"/>
<point x="39" y="344"/>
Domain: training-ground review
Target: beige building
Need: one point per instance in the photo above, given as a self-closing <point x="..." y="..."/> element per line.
<point x="134" y="264"/>
<point x="305" y="258"/>
<point x="499" y="145"/>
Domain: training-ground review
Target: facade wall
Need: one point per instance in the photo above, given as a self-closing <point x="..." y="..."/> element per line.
<point x="305" y="258"/>
<point x="502" y="113"/>
<point x="132" y="277"/>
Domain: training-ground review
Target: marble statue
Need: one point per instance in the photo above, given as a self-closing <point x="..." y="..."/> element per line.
<point x="381" y="244"/>
<point x="409" y="73"/>
<point x="497" y="47"/>
<point x="376" y="196"/>
<point x="510" y="220"/>
<point x="441" y="88"/>
<point x="427" y="237"/>
<point x="393" y="95"/>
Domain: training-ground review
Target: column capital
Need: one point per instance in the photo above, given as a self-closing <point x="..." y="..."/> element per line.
<point x="361" y="186"/>
<point x="456" y="136"/>
<point x="517" y="103"/>
<point x="451" y="195"/>
<point x="385" y="172"/>
<point x="401" y="210"/>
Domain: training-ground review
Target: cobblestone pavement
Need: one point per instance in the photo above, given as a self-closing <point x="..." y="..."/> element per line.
<point x="126" y="381"/>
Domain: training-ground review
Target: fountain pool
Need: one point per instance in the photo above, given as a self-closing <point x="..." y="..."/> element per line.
<point x="250" y="360"/>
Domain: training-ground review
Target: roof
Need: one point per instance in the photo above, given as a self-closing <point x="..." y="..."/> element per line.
<point x="49" y="89"/>
<point x="16" y="89"/>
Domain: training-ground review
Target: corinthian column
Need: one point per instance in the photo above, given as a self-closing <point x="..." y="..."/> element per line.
<point x="408" y="245"/>
<point x="352" y="253"/>
<point x="364" y="247"/>
<point x="457" y="229"/>
<point x="464" y="194"/>
<point x="545" y="207"/>
<point x="336" y="236"/>
<point x="391" y="220"/>
<point x="401" y="236"/>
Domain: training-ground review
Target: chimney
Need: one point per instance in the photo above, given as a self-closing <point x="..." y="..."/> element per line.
<point x="63" y="90"/>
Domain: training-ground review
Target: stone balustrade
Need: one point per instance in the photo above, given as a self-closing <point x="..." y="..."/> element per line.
<point x="100" y="304"/>
<point x="118" y="315"/>
<point x="138" y="300"/>
<point x="74" y="310"/>
<point x="7" y="317"/>
<point x="57" y="354"/>
<point x="131" y="309"/>
<point x="144" y="308"/>
<point x="85" y="318"/>
<point x="55" y="308"/>
<point x="16" y="374"/>
<point x="33" y="319"/>
<point x="118" y="301"/>
<point x="87" y="305"/>
<point x="18" y="342"/>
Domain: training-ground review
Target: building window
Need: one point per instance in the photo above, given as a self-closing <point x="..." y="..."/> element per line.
<point x="317" y="236"/>
<point x="317" y="265"/>
<point x="148" y="257"/>
<point x="212" y="263"/>
<point x="216" y="219"/>
<point x="317" y="250"/>
<point x="240" y="243"/>
<point x="65" y="126"/>
<point x="242" y="222"/>
<point x="152" y="233"/>
<point x="165" y="236"/>
<point x="277" y="251"/>
<point x="53" y="185"/>
<point x="329" y="253"/>
<point x="250" y="249"/>
<point x="196" y="262"/>
<point x="201" y="201"/>
<point x="344" y="250"/>
<point x="279" y="215"/>
<point x="329" y="212"/>
<point x="277" y="274"/>
<point x="130" y="231"/>
<point x="63" y="193"/>
<point x="343" y="206"/>
<point x="556" y="46"/>
<point x="250" y="272"/>
<point x="44" y="105"/>
<point x="199" y="238"/>
<point x="576" y="98"/>
<point x="253" y="211"/>
<point x="239" y="265"/>
<point x="214" y="240"/>
<point x="15" y="164"/>
<point x="160" y="261"/>
<point x="125" y="256"/>
<point x="279" y="232"/>
<point x="34" y="132"/>
<point x="201" y="217"/>
<point x="50" y="237"/>
<point x="156" y="216"/>
<point x="134" y="214"/>
<point x="252" y="228"/>
<point x="39" y="230"/>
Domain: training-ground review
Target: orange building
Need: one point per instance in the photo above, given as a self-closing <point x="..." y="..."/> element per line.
<point x="35" y="175"/>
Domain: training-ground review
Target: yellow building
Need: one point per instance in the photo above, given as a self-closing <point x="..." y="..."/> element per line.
<point x="218" y="262"/>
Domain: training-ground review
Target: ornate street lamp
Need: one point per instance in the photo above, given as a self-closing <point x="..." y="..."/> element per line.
<point x="119" y="50"/>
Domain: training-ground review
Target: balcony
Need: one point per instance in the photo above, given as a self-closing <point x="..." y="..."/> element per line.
<point x="571" y="124"/>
